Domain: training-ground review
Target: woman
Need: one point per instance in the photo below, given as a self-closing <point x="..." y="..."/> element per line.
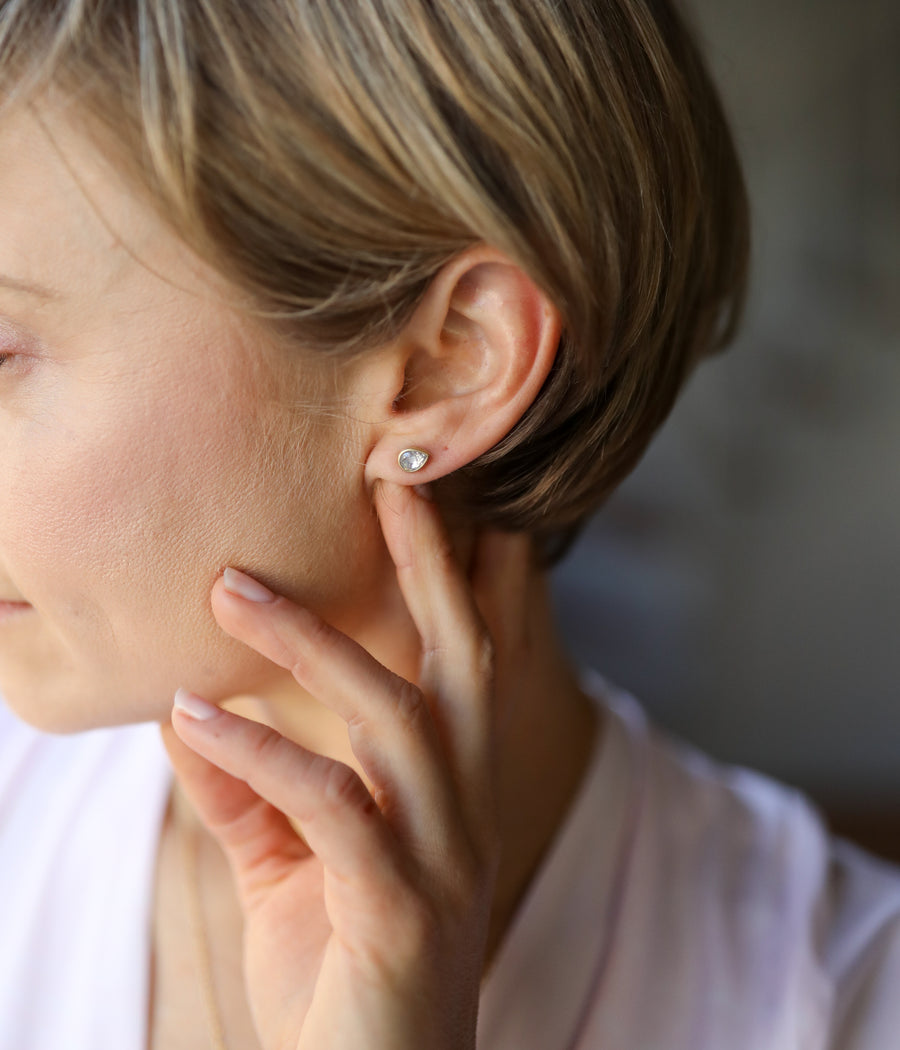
<point x="324" y="326"/>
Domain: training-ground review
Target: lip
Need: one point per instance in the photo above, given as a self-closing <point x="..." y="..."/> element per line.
<point x="10" y="610"/>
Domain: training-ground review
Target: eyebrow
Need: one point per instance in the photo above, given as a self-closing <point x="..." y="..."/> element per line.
<point x="13" y="284"/>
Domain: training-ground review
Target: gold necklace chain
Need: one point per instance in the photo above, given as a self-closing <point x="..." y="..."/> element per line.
<point x="190" y="864"/>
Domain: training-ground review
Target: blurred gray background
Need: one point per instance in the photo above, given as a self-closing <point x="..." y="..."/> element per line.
<point x="744" y="584"/>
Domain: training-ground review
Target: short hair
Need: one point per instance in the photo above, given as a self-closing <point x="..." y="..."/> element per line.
<point x="330" y="156"/>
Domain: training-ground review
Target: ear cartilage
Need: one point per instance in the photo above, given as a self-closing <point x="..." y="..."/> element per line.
<point x="412" y="459"/>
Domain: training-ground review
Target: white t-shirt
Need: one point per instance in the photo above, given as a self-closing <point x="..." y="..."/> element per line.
<point x="684" y="905"/>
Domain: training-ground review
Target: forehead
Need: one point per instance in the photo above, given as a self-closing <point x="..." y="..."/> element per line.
<point x="70" y="221"/>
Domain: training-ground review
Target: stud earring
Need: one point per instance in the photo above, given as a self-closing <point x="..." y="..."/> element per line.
<point x="412" y="459"/>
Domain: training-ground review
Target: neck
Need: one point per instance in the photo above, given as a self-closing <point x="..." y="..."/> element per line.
<point x="546" y="743"/>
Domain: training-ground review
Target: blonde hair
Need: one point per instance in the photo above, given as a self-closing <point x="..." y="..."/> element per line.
<point x="330" y="156"/>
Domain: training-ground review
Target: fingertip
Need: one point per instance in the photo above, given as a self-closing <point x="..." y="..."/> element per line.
<point x="245" y="587"/>
<point x="394" y="502"/>
<point x="223" y="600"/>
<point x="194" y="707"/>
<point x="169" y="736"/>
<point x="180" y="739"/>
<point x="225" y="607"/>
<point x="394" y="505"/>
<point x="235" y="613"/>
<point x="389" y="496"/>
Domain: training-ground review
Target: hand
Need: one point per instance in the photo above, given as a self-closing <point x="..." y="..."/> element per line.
<point x="370" y="934"/>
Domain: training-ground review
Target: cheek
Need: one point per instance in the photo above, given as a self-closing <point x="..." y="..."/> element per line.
<point x="114" y="527"/>
<point x="75" y="511"/>
<point x="117" y="529"/>
<point x="91" y="506"/>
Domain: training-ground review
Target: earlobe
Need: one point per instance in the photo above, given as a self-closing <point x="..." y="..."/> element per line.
<point x="465" y="369"/>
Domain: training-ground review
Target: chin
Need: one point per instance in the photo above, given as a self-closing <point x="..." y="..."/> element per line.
<point x="67" y="711"/>
<point x="65" y="697"/>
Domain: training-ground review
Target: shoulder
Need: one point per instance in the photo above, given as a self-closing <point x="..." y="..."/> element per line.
<point x="768" y="920"/>
<point x="860" y="948"/>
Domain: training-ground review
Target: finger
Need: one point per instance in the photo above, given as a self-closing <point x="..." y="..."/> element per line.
<point x="457" y="651"/>
<point x="339" y="818"/>
<point x="390" y="725"/>
<point x="259" y="841"/>
<point x="502" y="576"/>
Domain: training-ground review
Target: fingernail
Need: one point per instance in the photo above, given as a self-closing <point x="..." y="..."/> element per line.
<point x="245" y="586"/>
<point x="195" y="707"/>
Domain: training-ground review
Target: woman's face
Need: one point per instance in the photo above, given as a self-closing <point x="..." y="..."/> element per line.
<point x="147" y="440"/>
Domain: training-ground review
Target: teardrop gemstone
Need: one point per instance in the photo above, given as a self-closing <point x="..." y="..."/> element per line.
<point x="412" y="459"/>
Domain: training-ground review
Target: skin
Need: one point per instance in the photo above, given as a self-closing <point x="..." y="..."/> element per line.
<point x="97" y="480"/>
<point x="151" y="437"/>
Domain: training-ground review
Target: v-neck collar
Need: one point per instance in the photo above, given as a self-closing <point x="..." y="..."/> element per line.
<point x="554" y="954"/>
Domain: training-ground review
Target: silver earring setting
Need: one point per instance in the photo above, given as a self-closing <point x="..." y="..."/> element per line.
<point x="412" y="459"/>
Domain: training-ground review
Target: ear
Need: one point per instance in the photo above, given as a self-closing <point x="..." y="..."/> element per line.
<point x="464" y="370"/>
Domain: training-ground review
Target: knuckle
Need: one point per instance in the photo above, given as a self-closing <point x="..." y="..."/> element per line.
<point x="417" y="927"/>
<point x="490" y="852"/>
<point x="485" y="654"/>
<point x="409" y="704"/>
<point x="466" y="880"/>
<point x="318" y="631"/>
<point x="267" y="748"/>
<point x="481" y="656"/>
<point x="341" y="786"/>
<point x="443" y="554"/>
<point x="318" y="637"/>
